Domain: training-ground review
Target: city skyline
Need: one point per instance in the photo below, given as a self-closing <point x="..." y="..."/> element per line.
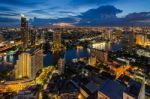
<point x="74" y="49"/>
<point x="76" y="62"/>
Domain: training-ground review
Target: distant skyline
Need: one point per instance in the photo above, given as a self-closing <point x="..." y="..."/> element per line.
<point x="10" y="11"/>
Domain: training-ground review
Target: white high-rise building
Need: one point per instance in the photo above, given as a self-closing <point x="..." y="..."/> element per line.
<point x="28" y="64"/>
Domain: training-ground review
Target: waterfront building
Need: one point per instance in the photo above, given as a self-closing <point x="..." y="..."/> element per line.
<point x="142" y="40"/>
<point x="100" y="55"/>
<point x="92" y="61"/>
<point x="28" y="64"/>
<point x="99" y="45"/>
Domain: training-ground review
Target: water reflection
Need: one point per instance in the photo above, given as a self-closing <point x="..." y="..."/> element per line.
<point x="51" y="59"/>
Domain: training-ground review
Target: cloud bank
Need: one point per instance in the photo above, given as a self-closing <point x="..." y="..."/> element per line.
<point x="103" y="15"/>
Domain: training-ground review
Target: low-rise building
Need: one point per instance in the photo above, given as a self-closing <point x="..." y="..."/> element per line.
<point x="117" y="68"/>
<point x="116" y="90"/>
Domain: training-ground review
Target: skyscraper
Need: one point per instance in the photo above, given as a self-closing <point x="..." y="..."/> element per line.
<point x="32" y="36"/>
<point x="56" y="41"/>
<point x="24" y="31"/>
<point x="61" y="65"/>
<point x="1" y="38"/>
<point x="142" y="40"/>
<point x="28" y="64"/>
<point x="131" y="39"/>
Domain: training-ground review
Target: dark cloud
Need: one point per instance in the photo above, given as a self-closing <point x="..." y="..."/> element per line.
<point x="137" y="16"/>
<point x="67" y="12"/>
<point x="38" y="11"/>
<point x="3" y="8"/>
<point x="106" y="15"/>
<point x="90" y="2"/>
<point x="43" y="11"/>
<point x="8" y="20"/>
<point x="103" y="15"/>
<point x="9" y="14"/>
<point x="54" y="8"/>
<point x="102" y="12"/>
<point x="23" y="3"/>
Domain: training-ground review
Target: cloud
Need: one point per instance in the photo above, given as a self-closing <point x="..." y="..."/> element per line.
<point x="38" y="11"/>
<point x="108" y="9"/>
<point x="8" y="20"/>
<point x="4" y="8"/>
<point x="54" y="8"/>
<point x="138" y="16"/>
<point x="103" y="15"/>
<point x="90" y="2"/>
<point x="9" y="14"/>
<point x="23" y="3"/>
<point x="67" y="12"/>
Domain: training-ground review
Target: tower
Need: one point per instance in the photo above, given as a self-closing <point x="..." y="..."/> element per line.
<point x="24" y="31"/>
<point x="131" y="39"/>
<point x="56" y="41"/>
<point x="61" y="65"/>
<point x="32" y="36"/>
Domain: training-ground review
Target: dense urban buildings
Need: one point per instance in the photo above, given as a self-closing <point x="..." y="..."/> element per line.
<point x="80" y="52"/>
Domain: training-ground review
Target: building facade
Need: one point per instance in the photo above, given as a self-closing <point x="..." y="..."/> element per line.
<point x="28" y="65"/>
<point x="24" y="31"/>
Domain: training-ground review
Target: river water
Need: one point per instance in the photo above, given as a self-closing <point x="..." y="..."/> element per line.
<point x="70" y="54"/>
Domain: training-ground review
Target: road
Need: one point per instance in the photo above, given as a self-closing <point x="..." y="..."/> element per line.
<point x="16" y="86"/>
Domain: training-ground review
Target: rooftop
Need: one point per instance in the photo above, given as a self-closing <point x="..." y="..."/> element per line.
<point x="113" y="89"/>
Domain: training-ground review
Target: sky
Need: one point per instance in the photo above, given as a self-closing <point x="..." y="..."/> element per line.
<point x="65" y="8"/>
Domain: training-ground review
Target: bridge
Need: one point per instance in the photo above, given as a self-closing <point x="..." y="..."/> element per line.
<point x="9" y="46"/>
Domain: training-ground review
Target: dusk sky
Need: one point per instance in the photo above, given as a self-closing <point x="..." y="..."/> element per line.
<point x="65" y="8"/>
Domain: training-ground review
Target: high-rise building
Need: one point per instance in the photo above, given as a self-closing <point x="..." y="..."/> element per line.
<point x="131" y="39"/>
<point x="61" y="65"/>
<point x="142" y="40"/>
<point x="24" y="31"/>
<point x="28" y="64"/>
<point x="1" y="38"/>
<point x="56" y="41"/>
<point x="32" y="36"/>
<point x="92" y="61"/>
<point x="100" y="55"/>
